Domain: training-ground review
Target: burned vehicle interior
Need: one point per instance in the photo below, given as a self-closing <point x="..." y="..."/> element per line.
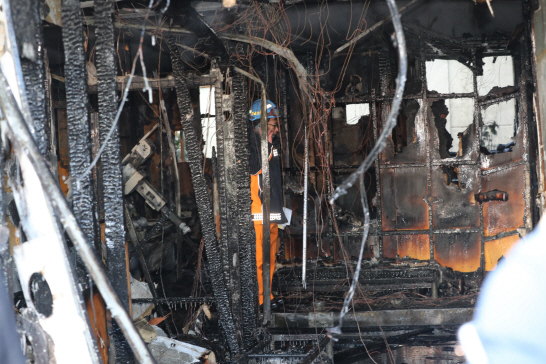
<point x="411" y="161"/>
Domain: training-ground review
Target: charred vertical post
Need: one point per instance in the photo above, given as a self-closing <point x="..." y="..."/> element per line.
<point x="247" y="241"/>
<point x="230" y="164"/>
<point x="79" y="139"/>
<point x="203" y="202"/>
<point x="221" y="173"/>
<point x="111" y="166"/>
<point x="28" y="32"/>
<point x="266" y="199"/>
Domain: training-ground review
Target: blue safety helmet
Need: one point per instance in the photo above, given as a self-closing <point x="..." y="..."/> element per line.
<point x="256" y="110"/>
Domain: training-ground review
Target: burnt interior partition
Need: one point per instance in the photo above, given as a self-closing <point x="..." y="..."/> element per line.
<point x="463" y="133"/>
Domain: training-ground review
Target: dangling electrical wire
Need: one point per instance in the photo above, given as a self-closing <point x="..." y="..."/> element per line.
<point x="400" y="44"/>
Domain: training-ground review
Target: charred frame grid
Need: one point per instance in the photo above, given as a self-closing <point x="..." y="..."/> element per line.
<point x="114" y="233"/>
<point x="203" y="202"/>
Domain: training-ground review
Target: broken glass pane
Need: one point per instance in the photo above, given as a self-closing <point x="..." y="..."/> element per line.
<point x="497" y="72"/>
<point x="499" y="127"/>
<point x="354" y="112"/>
<point x="449" y="76"/>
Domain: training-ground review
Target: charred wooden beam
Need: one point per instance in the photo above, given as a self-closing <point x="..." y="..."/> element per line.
<point x="203" y="202"/>
<point x="114" y="234"/>
<point x="28" y="33"/>
<point x="224" y="99"/>
<point x="247" y="240"/>
<point x="79" y="138"/>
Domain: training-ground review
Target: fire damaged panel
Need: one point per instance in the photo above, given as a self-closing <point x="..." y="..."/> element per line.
<point x="504" y="216"/>
<point x="348" y="248"/>
<point x="496" y="249"/>
<point x="402" y="193"/>
<point x="407" y="141"/>
<point x="453" y="190"/>
<point x="458" y="251"/>
<point x="407" y="246"/>
<point x="456" y="139"/>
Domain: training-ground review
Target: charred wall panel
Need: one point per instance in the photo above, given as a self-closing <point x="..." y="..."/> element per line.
<point x="403" y="191"/>
<point x="411" y="246"/>
<point x="504" y="216"/>
<point x="453" y="188"/>
<point x="459" y="251"/>
<point x="407" y="143"/>
<point x="494" y="250"/>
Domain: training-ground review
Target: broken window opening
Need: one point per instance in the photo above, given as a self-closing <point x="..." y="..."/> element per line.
<point x="452" y="117"/>
<point x="180" y="146"/>
<point x="403" y="134"/>
<point x="208" y="119"/>
<point x="498" y="72"/>
<point x="451" y="176"/>
<point x="355" y="112"/>
<point x="499" y="126"/>
<point x="449" y="76"/>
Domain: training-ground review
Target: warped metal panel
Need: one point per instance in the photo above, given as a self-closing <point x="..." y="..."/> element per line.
<point x="411" y="246"/>
<point x="504" y="216"/>
<point x="495" y="249"/>
<point x="458" y="251"/>
<point x="402" y="194"/>
<point x="454" y="189"/>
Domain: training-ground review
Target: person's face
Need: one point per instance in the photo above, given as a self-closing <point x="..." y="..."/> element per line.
<point x="273" y="126"/>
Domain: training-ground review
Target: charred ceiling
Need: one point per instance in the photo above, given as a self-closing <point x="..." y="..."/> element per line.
<point x="140" y="111"/>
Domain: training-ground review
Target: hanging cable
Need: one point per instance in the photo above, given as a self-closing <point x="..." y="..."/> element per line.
<point x="400" y="43"/>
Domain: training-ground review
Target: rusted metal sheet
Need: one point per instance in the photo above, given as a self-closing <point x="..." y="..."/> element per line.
<point x="411" y="246"/>
<point x="458" y="251"/>
<point x="453" y="204"/>
<point x="504" y="216"/>
<point x="402" y="193"/>
<point x="407" y="143"/>
<point x="496" y="249"/>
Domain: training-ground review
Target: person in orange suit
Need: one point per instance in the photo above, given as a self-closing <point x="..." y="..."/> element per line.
<point x="276" y="215"/>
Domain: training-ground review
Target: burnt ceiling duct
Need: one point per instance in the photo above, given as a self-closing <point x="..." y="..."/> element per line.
<point x="204" y="205"/>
